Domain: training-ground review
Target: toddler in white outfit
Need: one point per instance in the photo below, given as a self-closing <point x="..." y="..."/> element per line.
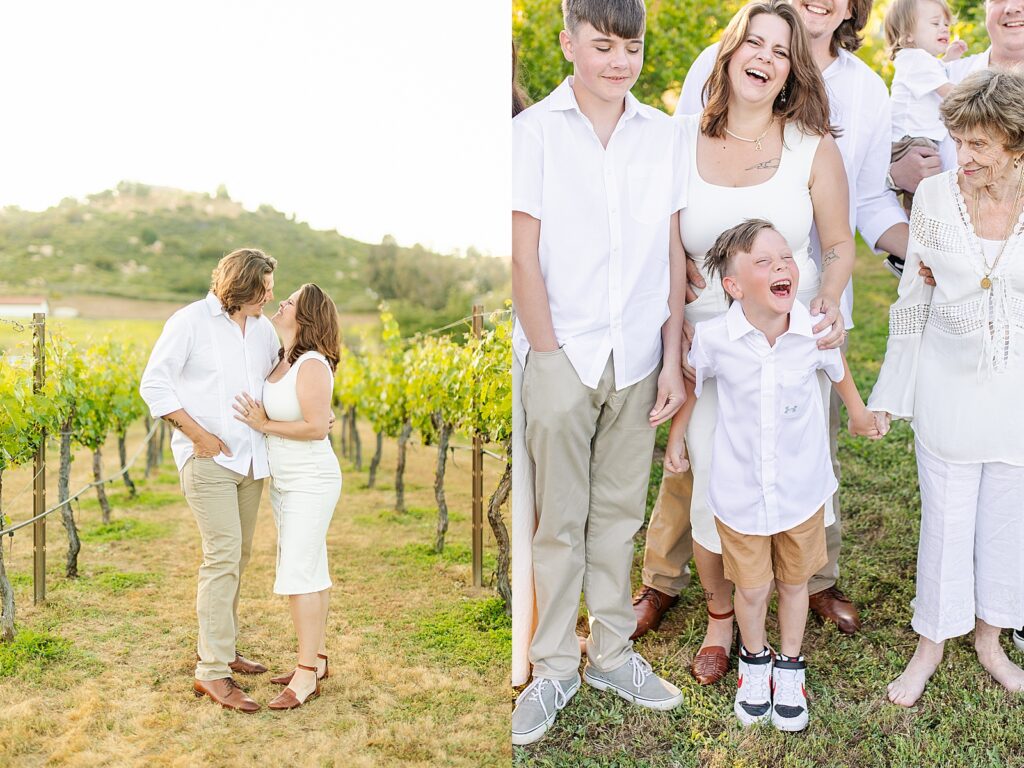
<point x="917" y="32"/>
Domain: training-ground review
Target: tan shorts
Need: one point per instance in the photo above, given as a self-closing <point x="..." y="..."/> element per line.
<point x="791" y="556"/>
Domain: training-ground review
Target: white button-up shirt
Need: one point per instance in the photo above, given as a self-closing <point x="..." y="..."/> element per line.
<point x="604" y="232"/>
<point x="770" y="464"/>
<point x="859" y="105"/>
<point x="199" y="363"/>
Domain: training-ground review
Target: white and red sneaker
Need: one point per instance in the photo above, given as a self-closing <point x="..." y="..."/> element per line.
<point x="789" y="706"/>
<point x="753" y="687"/>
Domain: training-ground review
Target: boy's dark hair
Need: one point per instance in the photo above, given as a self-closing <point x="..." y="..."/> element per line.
<point x="738" y="239"/>
<point x="622" y="18"/>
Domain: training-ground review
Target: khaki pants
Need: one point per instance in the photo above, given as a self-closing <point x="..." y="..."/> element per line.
<point x="592" y="449"/>
<point x="669" y="545"/>
<point x="225" y="504"/>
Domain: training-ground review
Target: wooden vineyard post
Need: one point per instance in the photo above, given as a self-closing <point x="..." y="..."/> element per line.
<point x="478" y="477"/>
<point x="39" y="467"/>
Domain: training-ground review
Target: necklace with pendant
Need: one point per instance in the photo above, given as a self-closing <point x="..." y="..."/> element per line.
<point x="986" y="281"/>
<point x="756" y="142"/>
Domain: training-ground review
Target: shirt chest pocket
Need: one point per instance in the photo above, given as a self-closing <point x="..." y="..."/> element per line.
<point x="649" y="191"/>
<point x="797" y="392"/>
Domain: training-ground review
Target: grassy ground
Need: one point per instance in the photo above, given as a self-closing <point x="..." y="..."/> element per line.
<point x="101" y="674"/>
<point x="964" y="719"/>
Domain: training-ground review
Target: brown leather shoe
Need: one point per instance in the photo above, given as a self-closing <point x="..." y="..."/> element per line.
<point x="650" y="607"/>
<point x="711" y="664"/>
<point x="285" y="679"/>
<point x="244" y="666"/>
<point x="832" y="605"/>
<point x="226" y="693"/>
<point x="287" y="699"/>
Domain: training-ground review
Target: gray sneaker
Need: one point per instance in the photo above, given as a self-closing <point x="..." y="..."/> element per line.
<point x="636" y="682"/>
<point x="537" y="706"/>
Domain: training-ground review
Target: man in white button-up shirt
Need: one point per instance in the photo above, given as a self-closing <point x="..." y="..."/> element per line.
<point x="859" y="105"/>
<point x="597" y="183"/>
<point x="209" y="352"/>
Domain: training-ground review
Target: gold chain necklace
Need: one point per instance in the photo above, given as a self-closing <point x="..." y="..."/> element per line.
<point x="986" y="281"/>
<point x="756" y="142"/>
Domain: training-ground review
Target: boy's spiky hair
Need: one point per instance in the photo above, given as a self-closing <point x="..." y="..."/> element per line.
<point x="622" y="18"/>
<point x="738" y="239"/>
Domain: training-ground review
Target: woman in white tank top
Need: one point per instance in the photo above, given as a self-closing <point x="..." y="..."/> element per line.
<point x="304" y="473"/>
<point x="762" y="148"/>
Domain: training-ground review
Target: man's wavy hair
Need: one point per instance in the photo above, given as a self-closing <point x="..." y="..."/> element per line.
<point x="238" y="278"/>
<point x="805" y="102"/>
<point x="318" y="330"/>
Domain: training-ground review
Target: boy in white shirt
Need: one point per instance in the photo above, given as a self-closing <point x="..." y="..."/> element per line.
<point x="598" y="280"/>
<point x="771" y="472"/>
<point x="917" y="33"/>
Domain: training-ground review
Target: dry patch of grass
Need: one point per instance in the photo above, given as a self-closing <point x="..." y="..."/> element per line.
<point x="101" y="674"/>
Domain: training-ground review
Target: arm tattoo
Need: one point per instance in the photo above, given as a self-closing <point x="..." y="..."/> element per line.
<point x="172" y="422"/>
<point x="828" y="257"/>
<point x="773" y="163"/>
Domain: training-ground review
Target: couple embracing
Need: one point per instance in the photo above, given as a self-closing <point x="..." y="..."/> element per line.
<point x="250" y="398"/>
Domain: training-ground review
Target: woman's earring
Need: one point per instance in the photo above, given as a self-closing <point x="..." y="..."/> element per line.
<point x="1016" y="162"/>
<point x="782" y="95"/>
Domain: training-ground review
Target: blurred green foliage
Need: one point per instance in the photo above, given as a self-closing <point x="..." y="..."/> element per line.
<point x="678" y="30"/>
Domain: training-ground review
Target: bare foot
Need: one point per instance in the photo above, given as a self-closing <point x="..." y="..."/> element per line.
<point x="993" y="658"/>
<point x="906" y="689"/>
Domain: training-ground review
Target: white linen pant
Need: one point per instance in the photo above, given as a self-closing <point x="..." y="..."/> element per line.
<point x="969" y="560"/>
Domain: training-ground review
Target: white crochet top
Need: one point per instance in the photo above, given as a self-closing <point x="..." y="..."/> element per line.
<point x="954" y="362"/>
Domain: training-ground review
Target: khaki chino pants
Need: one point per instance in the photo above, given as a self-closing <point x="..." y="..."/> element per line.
<point x="225" y="504"/>
<point x="592" y="449"/>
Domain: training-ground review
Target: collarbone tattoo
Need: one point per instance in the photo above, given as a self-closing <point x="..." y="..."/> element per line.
<point x="765" y="165"/>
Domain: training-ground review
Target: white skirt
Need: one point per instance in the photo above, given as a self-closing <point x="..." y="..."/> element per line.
<point x="305" y="483"/>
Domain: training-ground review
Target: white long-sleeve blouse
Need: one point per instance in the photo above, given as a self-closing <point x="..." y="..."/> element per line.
<point x="954" y="361"/>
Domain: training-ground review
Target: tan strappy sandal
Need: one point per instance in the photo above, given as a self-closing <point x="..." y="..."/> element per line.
<point x="711" y="663"/>
<point x="287" y="699"/>
<point x="285" y="679"/>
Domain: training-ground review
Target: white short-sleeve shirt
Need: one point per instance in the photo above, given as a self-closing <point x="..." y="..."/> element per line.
<point x="201" y="361"/>
<point x="770" y="463"/>
<point x="604" y="229"/>
<point x="914" y="95"/>
<point x="859" y="104"/>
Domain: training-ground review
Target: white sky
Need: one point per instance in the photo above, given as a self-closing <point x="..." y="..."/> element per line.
<point x="371" y="117"/>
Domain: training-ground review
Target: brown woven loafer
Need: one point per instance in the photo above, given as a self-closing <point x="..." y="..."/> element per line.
<point x="711" y="664"/>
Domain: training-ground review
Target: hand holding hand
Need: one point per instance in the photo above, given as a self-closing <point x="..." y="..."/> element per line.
<point x="671" y="396"/>
<point x="883" y="420"/>
<point x="862" y="424"/>
<point x="250" y="412"/>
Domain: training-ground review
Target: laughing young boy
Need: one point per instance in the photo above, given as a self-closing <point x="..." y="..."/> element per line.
<point x="770" y="468"/>
<point x="598" y="283"/>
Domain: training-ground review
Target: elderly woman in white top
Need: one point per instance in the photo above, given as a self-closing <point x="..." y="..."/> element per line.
<point x="954" y="366"/>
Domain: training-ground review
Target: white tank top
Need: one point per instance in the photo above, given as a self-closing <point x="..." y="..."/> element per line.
<point x="784" y="200"/>
<point x="280" y="398"/>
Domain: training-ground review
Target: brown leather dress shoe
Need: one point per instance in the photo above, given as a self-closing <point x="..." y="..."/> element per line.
<point x="287" y="699"/>
<point x="285" y="679"/>
<point x="832" y="605"/>
<point x="244" y="666"/>
<point x="711" y="663"/>
<point x="226" y="693"/>
<point x="650" y="607"/>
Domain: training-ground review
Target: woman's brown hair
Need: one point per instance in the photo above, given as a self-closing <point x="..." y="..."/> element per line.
<point x="803" y="98"/>
<point x="238" y="278"/>
<point x="317" y="319"/>
<point x="520" y="100"/>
